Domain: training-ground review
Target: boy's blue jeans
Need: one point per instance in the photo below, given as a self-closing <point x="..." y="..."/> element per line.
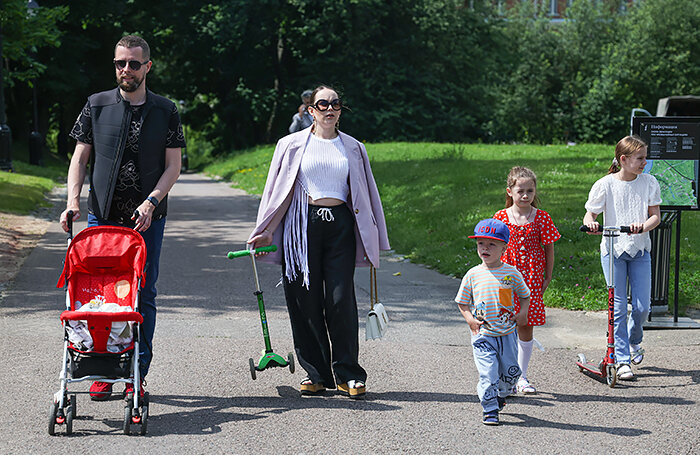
<point x="496" y="359"/>
<point x="638" y="270"/>
<point x="153" y="237"/>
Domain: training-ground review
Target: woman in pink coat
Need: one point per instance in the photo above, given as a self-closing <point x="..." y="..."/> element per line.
<point x="322" y="206"/>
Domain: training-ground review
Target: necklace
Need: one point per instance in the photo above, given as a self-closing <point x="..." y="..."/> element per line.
<point x="527" y="218"/>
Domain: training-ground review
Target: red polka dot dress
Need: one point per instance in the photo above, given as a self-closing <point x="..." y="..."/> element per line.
<point x="525" y="251"/>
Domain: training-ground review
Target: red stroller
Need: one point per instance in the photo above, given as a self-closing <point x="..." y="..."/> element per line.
<point x="102" y="274"/>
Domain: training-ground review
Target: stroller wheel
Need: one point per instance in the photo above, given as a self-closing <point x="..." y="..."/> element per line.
<point x="74" y="405"/>
<point x="611" y="376"/>
<point x="290" y="361"/>
<point x="144" y="414"/>
<point x="69" y="420"/>
<point x="252" y="368"/>
<point x="52" y="418"/>
<point x="127" y="416"/>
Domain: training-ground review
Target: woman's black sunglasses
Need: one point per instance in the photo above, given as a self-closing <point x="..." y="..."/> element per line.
<point x="323" y="105"/>
<point x="133" y="64"/>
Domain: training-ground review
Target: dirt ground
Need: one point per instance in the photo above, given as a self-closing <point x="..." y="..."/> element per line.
<point x="19" y="234"/>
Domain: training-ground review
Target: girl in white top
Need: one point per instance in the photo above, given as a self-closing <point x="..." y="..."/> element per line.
<point x="627" y="197"/>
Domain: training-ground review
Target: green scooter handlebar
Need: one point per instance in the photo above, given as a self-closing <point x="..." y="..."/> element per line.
<point x="241" y="253"/>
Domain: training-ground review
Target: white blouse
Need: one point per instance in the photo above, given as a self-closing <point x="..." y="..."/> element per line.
<point x="623" y="203"/>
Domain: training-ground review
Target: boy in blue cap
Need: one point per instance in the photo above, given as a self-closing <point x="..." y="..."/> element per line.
<point x="485" y="299"/>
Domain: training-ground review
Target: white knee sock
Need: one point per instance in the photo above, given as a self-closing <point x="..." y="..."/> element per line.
<point x="524" y="354"/>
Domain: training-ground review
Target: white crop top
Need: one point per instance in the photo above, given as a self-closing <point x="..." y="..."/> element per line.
<point x="324" y="169"/>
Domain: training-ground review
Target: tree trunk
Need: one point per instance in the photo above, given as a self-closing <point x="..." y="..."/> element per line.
<point x="278" y="70"/>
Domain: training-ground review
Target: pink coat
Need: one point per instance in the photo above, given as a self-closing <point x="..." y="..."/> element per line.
<point x="364" y="202"/>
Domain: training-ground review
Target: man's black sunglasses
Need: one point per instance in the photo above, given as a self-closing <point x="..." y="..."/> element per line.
<point x="133" y="64"/>
<point x="323" y="105"/>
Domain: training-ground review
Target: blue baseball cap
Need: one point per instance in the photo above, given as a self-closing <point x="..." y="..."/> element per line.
<point x="491" y="228"/>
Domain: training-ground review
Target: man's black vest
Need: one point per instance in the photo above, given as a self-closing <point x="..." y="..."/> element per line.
<point x="111" y="118"/>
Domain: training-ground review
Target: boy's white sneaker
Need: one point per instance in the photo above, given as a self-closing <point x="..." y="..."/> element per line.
<point x="624" y="372"/>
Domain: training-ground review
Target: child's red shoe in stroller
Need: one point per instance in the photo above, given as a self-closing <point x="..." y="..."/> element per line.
<point x="100" y="391"/>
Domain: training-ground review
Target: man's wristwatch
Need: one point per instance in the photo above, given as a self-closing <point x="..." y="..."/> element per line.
<point x="152" y="200"/>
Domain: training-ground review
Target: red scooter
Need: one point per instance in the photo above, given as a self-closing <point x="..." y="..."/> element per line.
<point x="606" y="368"/>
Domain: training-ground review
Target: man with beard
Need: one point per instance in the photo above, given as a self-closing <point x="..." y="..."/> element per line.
<point x="131" y="139"/>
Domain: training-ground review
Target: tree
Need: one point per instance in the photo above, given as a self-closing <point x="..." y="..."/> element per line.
<point x="24" y="34"/>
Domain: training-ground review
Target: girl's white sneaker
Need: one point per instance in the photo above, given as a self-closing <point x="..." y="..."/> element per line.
<point x="637" y="354"/>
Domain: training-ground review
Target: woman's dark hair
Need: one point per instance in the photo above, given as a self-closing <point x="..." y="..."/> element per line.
<point x="319" y="88"/>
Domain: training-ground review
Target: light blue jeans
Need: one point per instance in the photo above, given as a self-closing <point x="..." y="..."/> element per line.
<point x="496" y="359"/>
<point x="638" y="270"/>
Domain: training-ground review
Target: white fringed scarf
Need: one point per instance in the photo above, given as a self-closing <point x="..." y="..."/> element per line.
<point x="295" y="241"/>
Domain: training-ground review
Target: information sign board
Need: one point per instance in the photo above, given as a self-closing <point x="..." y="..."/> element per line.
<point x="673" y="157"/>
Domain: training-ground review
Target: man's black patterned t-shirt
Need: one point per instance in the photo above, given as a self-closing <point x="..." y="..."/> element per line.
<point x="127" y="192"/>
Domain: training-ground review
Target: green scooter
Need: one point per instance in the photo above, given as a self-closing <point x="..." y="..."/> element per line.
<point x="269" y="359"/>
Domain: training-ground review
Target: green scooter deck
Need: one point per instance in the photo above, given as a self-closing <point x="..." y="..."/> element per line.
<point x="271" y="360"/>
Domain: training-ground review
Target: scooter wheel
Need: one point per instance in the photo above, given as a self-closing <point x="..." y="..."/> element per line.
<point x="252" y="368"/>
<point x="611" y="375"/>
<point x="581" y="361"/>
<point x="290" y="361"/>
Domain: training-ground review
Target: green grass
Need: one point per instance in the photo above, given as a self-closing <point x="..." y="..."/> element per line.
<point x="434" y="194"/>
<point x="247" y="170"/>
<point x="24" y="189"/>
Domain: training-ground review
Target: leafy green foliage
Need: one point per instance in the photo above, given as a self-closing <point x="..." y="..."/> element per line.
<point x="410" y="70"/>
<point x="23" y="33"/>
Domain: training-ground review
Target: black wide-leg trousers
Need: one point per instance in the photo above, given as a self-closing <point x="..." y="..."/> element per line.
<point x="324" y="316"/>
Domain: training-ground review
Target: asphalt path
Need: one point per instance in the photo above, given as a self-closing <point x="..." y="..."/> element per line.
<point x="422" y="380"/>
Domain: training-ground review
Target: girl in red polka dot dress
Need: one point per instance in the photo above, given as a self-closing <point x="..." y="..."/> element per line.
<point x="531" y="251"/>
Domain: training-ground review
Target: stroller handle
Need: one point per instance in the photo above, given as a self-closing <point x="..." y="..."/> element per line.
<point x="69" y="222"/>
<point x="626" y="229"/>
<point x="241" y="253"/>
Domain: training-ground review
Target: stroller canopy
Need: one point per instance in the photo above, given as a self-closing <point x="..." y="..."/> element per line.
<point x="103" y="265"/>
<point x="99" y="249"/>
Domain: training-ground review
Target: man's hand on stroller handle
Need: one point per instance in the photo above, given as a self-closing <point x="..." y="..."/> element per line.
<point x="143" y="216"/>
<point x="68" y="216"/>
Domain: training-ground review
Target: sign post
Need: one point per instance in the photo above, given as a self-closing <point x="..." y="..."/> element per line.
<point x="673" y="157"/>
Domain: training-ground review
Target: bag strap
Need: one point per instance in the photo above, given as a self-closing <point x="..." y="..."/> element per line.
<point x="373" y="294"/>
